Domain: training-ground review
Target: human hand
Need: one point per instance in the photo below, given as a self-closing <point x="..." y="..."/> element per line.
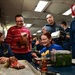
<point x="3" y="60"/>
<point x="34" y="54"/>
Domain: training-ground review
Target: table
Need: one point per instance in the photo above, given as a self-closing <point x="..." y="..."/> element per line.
<point x="67" y="70"/>
<point x="28" y="70"/>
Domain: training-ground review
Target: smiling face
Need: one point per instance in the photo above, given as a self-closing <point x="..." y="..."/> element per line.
<point x="46" y="40"/>
<point x="19" y="21"/>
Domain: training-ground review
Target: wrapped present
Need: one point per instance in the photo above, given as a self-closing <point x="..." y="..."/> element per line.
<point x="61" y="58"/>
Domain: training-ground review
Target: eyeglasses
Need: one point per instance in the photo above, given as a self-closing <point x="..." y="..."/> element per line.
<point x="19" y="21"/>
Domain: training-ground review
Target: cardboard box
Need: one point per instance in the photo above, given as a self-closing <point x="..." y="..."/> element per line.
<point x="61" y="58"/>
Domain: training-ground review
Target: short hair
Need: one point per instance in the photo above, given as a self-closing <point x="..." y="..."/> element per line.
<point x="18" y="15"/>
<point x="48" y="15"/>
<point x="64" y="23"/>
<point x="47" y="28"/>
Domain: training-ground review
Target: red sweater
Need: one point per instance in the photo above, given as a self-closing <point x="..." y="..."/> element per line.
<point x="14" y="35"/>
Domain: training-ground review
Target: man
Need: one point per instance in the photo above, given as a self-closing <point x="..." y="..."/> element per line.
<point x="72" y="37"/>
<point x="19" y="38"/>
<point x="53" y="27"/>
<point x="66" y="43"/>
<point x="72" y="32"/>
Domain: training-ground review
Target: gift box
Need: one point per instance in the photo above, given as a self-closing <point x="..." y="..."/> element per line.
<point x="61" y="58"/>
<point x="55" y="34"/>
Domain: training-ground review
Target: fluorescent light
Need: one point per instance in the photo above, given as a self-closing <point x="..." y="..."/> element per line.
<point x="68" y="12"/>
<point x="28" y="25"/>
<point x="34" y="34"/>
<point x="8" y="26"/>
<point x="41" y="6"/>
<point x="38" y="31"/>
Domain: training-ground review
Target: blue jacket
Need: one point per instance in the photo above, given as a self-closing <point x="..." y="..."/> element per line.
<point x="5" y="50"/>
<point x="53" y="46"/>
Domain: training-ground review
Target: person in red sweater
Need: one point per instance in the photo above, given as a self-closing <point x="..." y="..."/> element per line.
<point x="19" y="38"/>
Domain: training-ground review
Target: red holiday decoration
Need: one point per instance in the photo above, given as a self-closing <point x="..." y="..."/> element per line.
<point x="73" y="9"/>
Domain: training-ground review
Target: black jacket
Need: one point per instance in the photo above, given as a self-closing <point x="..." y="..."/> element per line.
<point x="53" y="28"/>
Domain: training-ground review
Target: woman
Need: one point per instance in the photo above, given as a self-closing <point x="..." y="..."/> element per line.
<point x="5" y="50"/>
<point x="48" y="43"/>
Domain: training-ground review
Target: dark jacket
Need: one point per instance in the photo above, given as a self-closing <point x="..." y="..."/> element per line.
<point x="5" y="50"/>
<point x="72" y="32"/>
<point x="54" y="28"/>
<point x="72" y="37"/>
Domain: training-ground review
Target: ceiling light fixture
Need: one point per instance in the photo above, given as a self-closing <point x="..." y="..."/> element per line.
<point x="39" y="31"/>
<point x="34" y="34"/>
<point x="40" y="6"/>
<point x="68" y="12"/>
<point x="28" y="25"/>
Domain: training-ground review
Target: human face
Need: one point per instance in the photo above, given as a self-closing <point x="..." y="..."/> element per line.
<point x="2" y="38"/>
<point x="45" y="41"/>
<point x="19" y="21"/>
<point x="44" y="30"/>
<point x="50" y="19"/>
